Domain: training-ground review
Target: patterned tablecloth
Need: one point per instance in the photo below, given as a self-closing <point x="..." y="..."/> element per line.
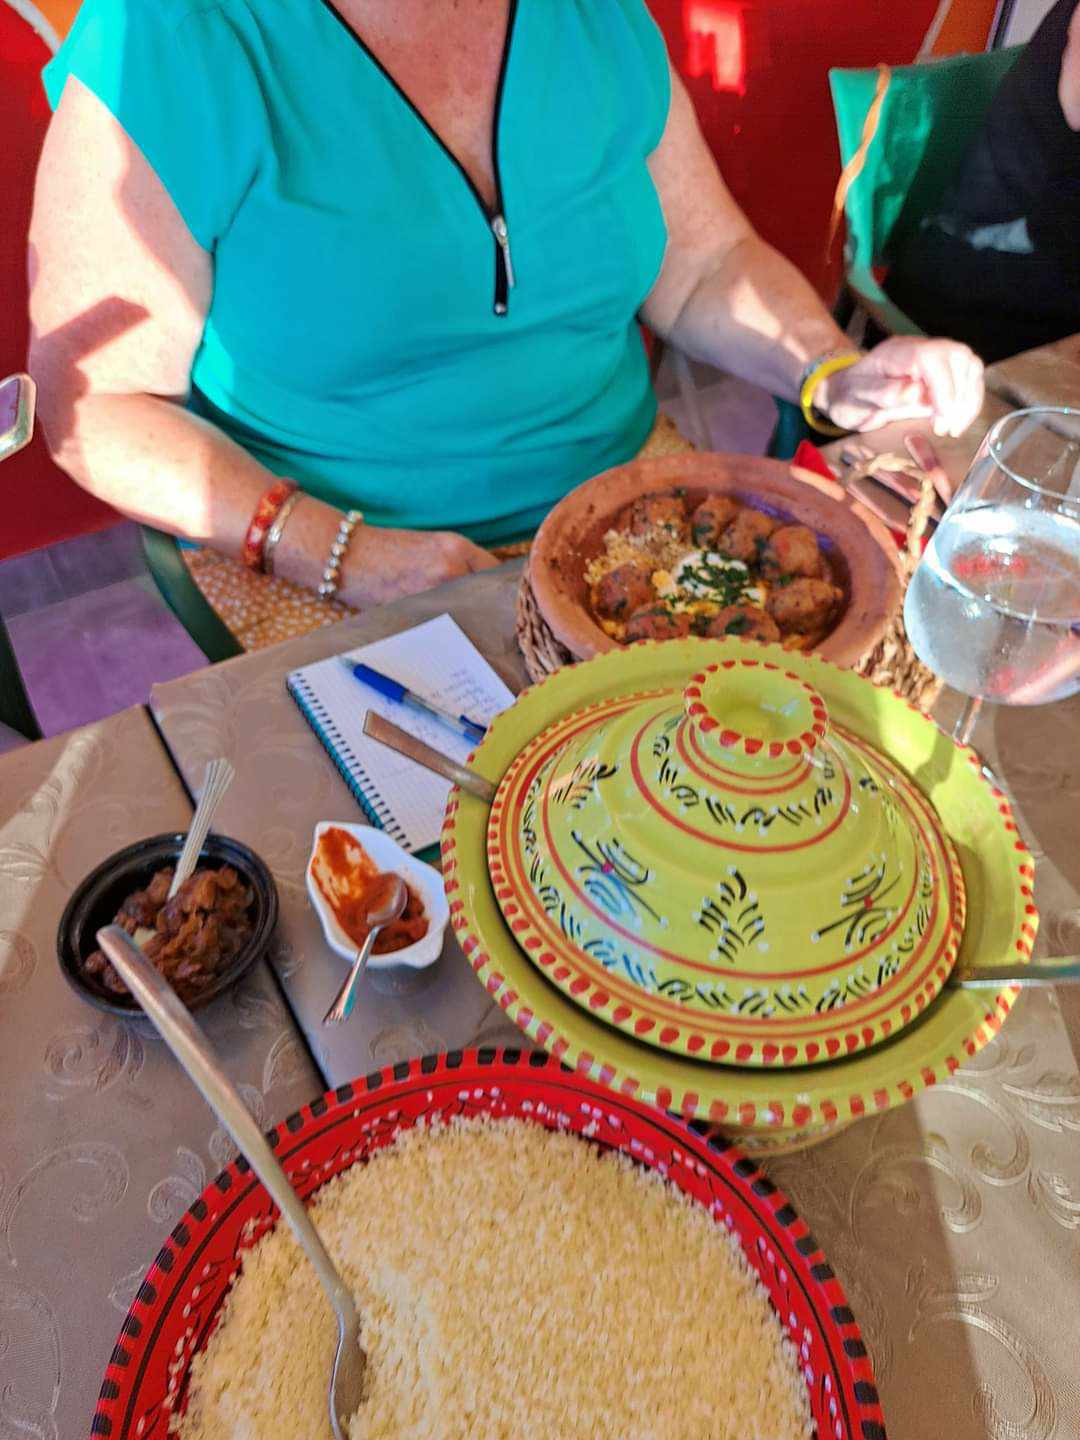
<point x="954" y="1222"/>
<point x="1049" y="375"/>
<point x="103" y="1143"/>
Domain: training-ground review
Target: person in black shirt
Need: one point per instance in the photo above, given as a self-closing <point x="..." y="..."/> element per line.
<point x="997" y="264"/>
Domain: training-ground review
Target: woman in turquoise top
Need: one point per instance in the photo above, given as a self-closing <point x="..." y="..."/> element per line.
<point x="395" y="250"/>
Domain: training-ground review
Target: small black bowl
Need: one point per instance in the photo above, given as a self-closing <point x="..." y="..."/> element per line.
<point x="104" y="890"/>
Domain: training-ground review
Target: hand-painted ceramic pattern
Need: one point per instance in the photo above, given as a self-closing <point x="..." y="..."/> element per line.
<point x="718" y="871"/>
<point x="770" y="1108"/>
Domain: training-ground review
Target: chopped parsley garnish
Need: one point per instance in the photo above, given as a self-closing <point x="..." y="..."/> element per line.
<point x="725" y="583"/>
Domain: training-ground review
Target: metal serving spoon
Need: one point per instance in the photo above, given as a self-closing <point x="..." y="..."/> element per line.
<point x="192" y="1049"/>
<point x="389" y="905"/>
<point x="394" y="738"/>
<point x="219" y="776"/>
<point x="1058" y="970"/>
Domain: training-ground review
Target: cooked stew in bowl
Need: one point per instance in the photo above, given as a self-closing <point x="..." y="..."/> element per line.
<point x="191" y="938"/>
<point x="670" y="569"/>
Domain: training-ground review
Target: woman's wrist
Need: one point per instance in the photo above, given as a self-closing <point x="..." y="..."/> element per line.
<point x="822" y="381"/>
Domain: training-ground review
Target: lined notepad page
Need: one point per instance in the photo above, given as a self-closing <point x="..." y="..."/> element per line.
<point x="438" y="661"/>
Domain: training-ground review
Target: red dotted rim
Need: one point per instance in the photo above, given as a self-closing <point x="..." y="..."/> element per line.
<point x="754" y="744"/>
<point x="341" y="1126"/>
<point x="806" y="1118"/>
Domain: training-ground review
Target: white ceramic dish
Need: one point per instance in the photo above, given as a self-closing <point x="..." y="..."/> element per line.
<point x="387" y="855"/>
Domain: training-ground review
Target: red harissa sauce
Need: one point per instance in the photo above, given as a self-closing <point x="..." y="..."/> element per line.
<point x="354" y="886"/>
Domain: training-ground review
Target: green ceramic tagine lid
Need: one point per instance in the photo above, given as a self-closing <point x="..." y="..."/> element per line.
<point x="723" y="873"/>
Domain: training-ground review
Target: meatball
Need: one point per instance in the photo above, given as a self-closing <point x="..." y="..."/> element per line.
<point x="711" y="518"/>
<point x="657" y="623"/>
<point x="791" y="550"/>
<point x="626" y="588"/>
<point x="650" y="512"/>
<point x="803" y="606"/>
<point x="745" y="537"/>
<point x="744" y="620"/>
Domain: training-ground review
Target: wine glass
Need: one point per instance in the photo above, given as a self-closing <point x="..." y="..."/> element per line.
<point x="994" y="604"/>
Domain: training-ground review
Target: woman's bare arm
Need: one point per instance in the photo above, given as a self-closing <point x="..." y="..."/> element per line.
<point x="723" y="294"/>
<point x="119" y="294"/>
<point x="726" y="297"/>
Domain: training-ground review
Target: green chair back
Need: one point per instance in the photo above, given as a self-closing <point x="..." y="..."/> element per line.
<point x="927" y="117"/>
<point x="929" y="114"/>
<point x="15" y="708"/>
<point x="185" y="599"/>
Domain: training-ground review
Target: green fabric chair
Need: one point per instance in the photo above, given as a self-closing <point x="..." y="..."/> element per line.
<point x="185" y="599"/>
<point x="928" y="116"/>
<point x="15" y="708"/>
<point x="929" y="113"/>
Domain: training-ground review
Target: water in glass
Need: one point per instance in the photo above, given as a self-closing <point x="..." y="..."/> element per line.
<point x="994" y="606"/>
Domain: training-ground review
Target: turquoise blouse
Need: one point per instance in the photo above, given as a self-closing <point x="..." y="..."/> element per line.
<point x="363" y="337"/>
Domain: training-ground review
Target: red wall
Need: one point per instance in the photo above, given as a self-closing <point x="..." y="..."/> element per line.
<point x="38" y="504"/>
<point x="758" y="74"/>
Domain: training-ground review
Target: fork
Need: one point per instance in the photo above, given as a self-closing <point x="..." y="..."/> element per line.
<point x="219" y="776"/>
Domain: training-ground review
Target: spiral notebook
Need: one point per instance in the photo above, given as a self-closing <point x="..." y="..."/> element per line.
<point x="436" y="660"/>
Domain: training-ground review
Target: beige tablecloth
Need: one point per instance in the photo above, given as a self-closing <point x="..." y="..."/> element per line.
<point x="1048" y="375"/>
<point x="954" y="1222"/>
<point x="103" y="1143"/>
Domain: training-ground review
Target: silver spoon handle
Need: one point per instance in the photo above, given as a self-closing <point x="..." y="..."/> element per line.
<point x="193" y="1051"/>
<point x="392" y="736"/>
<point x="1061" y="970"/>
<point x="341" y="1009"/>
<point x="219" y="776"/>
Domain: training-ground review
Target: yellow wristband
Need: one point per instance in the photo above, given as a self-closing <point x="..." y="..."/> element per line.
<point x="818" y="372"/>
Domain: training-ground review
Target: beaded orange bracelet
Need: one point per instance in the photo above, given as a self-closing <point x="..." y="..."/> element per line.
<point x="266" y="512"/>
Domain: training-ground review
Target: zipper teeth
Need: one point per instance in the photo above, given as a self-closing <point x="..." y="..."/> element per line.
<point x="500" y="86"/>
<point x="491" y="214"/>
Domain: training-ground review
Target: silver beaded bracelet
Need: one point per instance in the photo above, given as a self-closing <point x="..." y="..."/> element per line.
<point x="331" y="576"/>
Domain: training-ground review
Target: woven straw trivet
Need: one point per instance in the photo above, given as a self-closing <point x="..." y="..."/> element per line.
<point x="890" y="662"/>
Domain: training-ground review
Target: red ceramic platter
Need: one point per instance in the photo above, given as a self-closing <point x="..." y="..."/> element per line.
<point x="177" y="1303"/>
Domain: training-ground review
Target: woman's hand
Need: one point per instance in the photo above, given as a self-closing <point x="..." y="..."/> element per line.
<point x="383" y="565"/>
<point x="906" y="378"/>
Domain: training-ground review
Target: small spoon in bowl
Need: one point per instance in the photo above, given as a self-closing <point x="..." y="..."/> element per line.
<point x="386" y="905"/>
<point x="192" y="1049"/>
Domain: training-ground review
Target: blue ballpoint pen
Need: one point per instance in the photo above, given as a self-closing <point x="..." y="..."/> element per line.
<point x="394" y="690"/>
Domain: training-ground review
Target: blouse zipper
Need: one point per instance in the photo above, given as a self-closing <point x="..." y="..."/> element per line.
<point x="496" y="218"/>
<point x="504" y="265"/>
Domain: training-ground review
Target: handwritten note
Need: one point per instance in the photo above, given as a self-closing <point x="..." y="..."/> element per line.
<point x="436" y="660"/>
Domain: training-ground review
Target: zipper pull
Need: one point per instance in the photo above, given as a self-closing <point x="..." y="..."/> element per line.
<point x="504" y="269"/>
<point x="502" y="237"/>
